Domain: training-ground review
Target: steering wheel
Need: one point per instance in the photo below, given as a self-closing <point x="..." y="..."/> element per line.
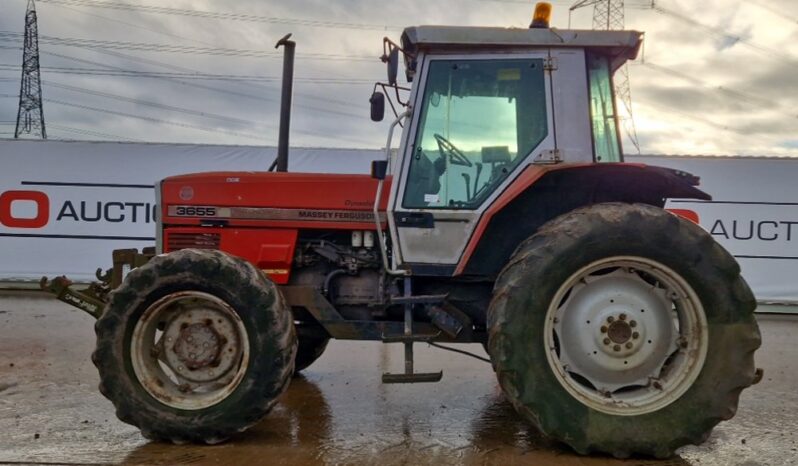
<point x="456" y="156"/>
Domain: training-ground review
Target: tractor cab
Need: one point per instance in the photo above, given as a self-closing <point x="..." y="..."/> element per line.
<point x="488" y="105"/>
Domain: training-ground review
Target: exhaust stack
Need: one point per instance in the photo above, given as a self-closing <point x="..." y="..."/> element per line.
<point x="281" y="163"/>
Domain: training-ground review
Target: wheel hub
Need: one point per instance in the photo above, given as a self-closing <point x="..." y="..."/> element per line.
<point x="619" y="332"/>
<point x="198" y="346"/>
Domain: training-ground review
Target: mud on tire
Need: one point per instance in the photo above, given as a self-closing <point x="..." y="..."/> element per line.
<point x="237" y="292"/>
<point x="539" y="268"/>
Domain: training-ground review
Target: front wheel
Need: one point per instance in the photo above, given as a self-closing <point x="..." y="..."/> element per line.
<point x="623" y="329"/>
<point x="194" y="346"/>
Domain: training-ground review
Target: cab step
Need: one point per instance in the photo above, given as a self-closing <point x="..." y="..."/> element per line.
<point x="408" y="338"/>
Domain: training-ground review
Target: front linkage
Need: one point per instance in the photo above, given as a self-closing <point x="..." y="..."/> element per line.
<point x="93" y="298"/>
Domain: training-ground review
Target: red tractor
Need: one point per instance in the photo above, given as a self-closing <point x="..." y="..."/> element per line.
<point x="507" y="217"/>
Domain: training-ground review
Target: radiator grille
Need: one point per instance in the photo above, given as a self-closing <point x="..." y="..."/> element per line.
<point x="177" y="241"/>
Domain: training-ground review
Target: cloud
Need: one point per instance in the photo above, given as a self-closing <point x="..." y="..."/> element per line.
<point x="739" y="100"/>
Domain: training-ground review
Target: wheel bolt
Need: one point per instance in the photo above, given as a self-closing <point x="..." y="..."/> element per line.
<point x="633" y="323"/>
<point x="610" y="319"/>
<point x="629" y="345"/>
<point x="603" y="329"/>
<point x="616" y="348"/>
<point x="622" y="316"/>
<point x="635" y="335"/>
<point x="180" y="368"/>
<point x="192" y="355"/>
<point x="606" y="341"/>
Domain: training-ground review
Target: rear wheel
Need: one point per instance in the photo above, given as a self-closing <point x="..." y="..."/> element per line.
<point x="623" y="329"/>
<point x="194" y="346"/>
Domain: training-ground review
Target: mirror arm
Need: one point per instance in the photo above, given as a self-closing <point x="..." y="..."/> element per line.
<point x="380" y="235"/>
<point x="388" y="45"/>
<point x="384" y="87"/>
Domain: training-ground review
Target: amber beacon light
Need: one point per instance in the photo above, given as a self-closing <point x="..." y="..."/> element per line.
<point x="542" y="16"/>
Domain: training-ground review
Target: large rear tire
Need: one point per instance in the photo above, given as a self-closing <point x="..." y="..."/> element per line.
<point x="623" y="329"/>
<point x="194" y="346"/>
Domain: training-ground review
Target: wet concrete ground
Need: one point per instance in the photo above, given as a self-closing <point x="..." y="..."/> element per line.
<point x="339" y="412"/>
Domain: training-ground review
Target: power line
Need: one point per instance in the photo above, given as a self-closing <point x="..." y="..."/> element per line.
<point x="171" y="48"/>
<point x="187" y="125"/>
<point x="87" y="132"/>
<point x="750" y="98"/>
<point x="154" y="120"/>
<point x="719" y="32"/>
<point x="137" y="26"/>
<point x="773" y="10"/>
<point x="200" y="76"/>
<point x="146" y="103"/>
<point x="213" y="88"/>
<point x="221" y="15"/>
<point x="172" y="108"/>
<point x="707" y="121"/>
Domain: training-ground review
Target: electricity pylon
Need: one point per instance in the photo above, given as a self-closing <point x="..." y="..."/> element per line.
<point x="30" y="116"/>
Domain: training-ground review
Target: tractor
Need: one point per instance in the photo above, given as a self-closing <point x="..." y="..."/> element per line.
<point x="506" y="217"/>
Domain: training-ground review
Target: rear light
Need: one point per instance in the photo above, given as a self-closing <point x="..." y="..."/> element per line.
<point x="177" y="241"/>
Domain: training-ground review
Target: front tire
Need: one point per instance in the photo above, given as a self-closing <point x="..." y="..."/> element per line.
<point x="194" y="346"/>
<point x="623" y="329"/>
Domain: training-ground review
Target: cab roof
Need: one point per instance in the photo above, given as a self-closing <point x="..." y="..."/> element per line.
<point x="618" y="45"/>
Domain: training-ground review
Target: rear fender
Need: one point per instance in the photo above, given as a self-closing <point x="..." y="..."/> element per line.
<point x="555" y="190"/>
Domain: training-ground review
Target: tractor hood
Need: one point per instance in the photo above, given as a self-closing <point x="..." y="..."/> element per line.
<point x="240" y="197"/>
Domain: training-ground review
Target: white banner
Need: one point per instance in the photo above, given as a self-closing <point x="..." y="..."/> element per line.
<point x="753" y="214"/>
<point x="64" y="206"/>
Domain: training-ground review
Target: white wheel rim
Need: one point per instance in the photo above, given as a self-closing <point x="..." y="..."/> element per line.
<point x="189" y="350"/>
<point x="626" y="335"/>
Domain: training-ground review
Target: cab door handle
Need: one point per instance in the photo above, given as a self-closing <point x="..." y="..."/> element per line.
<point x="414" y="220"/>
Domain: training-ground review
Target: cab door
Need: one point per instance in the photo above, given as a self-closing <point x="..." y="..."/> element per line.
<point x="479" y="121"/>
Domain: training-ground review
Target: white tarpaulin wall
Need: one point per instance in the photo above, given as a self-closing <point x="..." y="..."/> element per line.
<point x="64" y="206"/>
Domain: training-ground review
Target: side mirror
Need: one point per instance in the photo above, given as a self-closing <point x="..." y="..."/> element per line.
<point x="377" y="101"/>
<point x="378" y="169"/>
<point x="393" y="66"/>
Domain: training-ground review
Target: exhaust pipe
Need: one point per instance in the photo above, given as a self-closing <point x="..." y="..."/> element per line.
<point x="281" y="163"/>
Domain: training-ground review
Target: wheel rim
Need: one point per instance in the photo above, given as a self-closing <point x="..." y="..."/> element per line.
<point x="189" y="350"/>
<point x="626" y="335"/>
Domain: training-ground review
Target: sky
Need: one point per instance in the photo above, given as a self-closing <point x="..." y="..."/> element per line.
<point x="716" y="77"/>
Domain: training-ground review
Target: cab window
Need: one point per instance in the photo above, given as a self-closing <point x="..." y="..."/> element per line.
<point x="479" y="119"/>
<point x="602" y="110"/>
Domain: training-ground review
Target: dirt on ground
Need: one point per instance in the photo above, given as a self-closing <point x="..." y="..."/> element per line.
<point x="338" y="411"/>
